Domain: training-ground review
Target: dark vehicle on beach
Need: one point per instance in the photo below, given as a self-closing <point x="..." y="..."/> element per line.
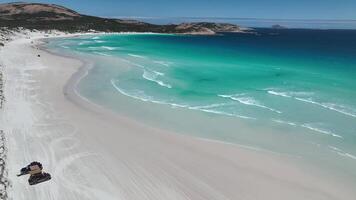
<point x="36" y="174"/>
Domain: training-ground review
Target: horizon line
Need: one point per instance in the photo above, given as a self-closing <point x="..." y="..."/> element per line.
<point x="241" y="18"/>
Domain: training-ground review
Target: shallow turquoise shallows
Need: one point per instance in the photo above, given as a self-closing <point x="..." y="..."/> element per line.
<point x="286" y="91"/>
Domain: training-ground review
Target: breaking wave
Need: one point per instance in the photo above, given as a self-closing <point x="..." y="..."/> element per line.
<point x="136" y="56"/>
<point x="330" y="106"/>
<point x="100" y="53"/>
<point x="221" y="113"/>
<point x="209" y="109"/>
<point x="347" y="155"/>
<point x="99" y="41"/>
<point x="140" y="95"/>
<point x="153" y="76"/>
<point x="65" y="47"/>
<point x="308" y="126"/>
<point x="248" y="101"/>
<point x="109" y="48"/>
<point x="282" y="94"/>
<point x="284" y="122"/>
<point x="102" y="48"/>
<point x="342" y="153"/>
<point x="211" y="106"/>
<point x="84" y="42"/>
<point x="289" y="94"/>
<point x="326" y="132"/>
<point x="164" y="63"/>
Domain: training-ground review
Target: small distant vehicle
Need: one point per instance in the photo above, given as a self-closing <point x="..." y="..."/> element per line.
<point x="36" y="174"/>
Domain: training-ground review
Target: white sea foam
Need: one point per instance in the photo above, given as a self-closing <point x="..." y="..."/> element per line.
<point x="140" y="95"/>
<point x="248" y="101"/>
<point x="326" y="132"/>
<point x="108" y="48"/>
<point x="209" y="109"/>
<point x="158" y="73"/>
<point x="331" y="106"/>
<point x="310" y="127"/>
<point x="284" y="122"/>
<point x="282" y="94"/>
<point x="102" y="48"/>
<point x="153" y="76"/>
<point x="99" y="41"/>
<point x="215" y="105"/>
<point x="100" y="53"/>
<point x="342" y="153"/>
<point x="224" y="113"/>
<point x="136" y="56"/>
<point x="300" y="93"/>
<point x="65" y="47"/>
<point x="95" y="38"/>
<point x="288" y="94"/>
<point x="347" y="155"/>
<point x="334" y="148"/>
<point x="164" y="63"/>
<point x="83" y="43"/>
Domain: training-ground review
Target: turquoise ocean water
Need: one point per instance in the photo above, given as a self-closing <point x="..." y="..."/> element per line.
<point x="286" y="91"/>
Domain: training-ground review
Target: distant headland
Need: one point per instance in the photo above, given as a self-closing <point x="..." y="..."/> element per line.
<point x="54" y="17"/>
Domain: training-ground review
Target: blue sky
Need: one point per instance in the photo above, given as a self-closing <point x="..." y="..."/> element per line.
<point x="270" y="9"/>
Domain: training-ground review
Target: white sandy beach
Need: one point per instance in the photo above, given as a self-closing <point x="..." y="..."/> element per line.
<point x="94" y="154"/>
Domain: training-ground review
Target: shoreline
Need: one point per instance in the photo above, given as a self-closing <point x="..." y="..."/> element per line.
<point x="71" y="93"/>
<point x="69" y="89"/>
<point x="140" y="162"/>
<point x="77" y="98"/>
